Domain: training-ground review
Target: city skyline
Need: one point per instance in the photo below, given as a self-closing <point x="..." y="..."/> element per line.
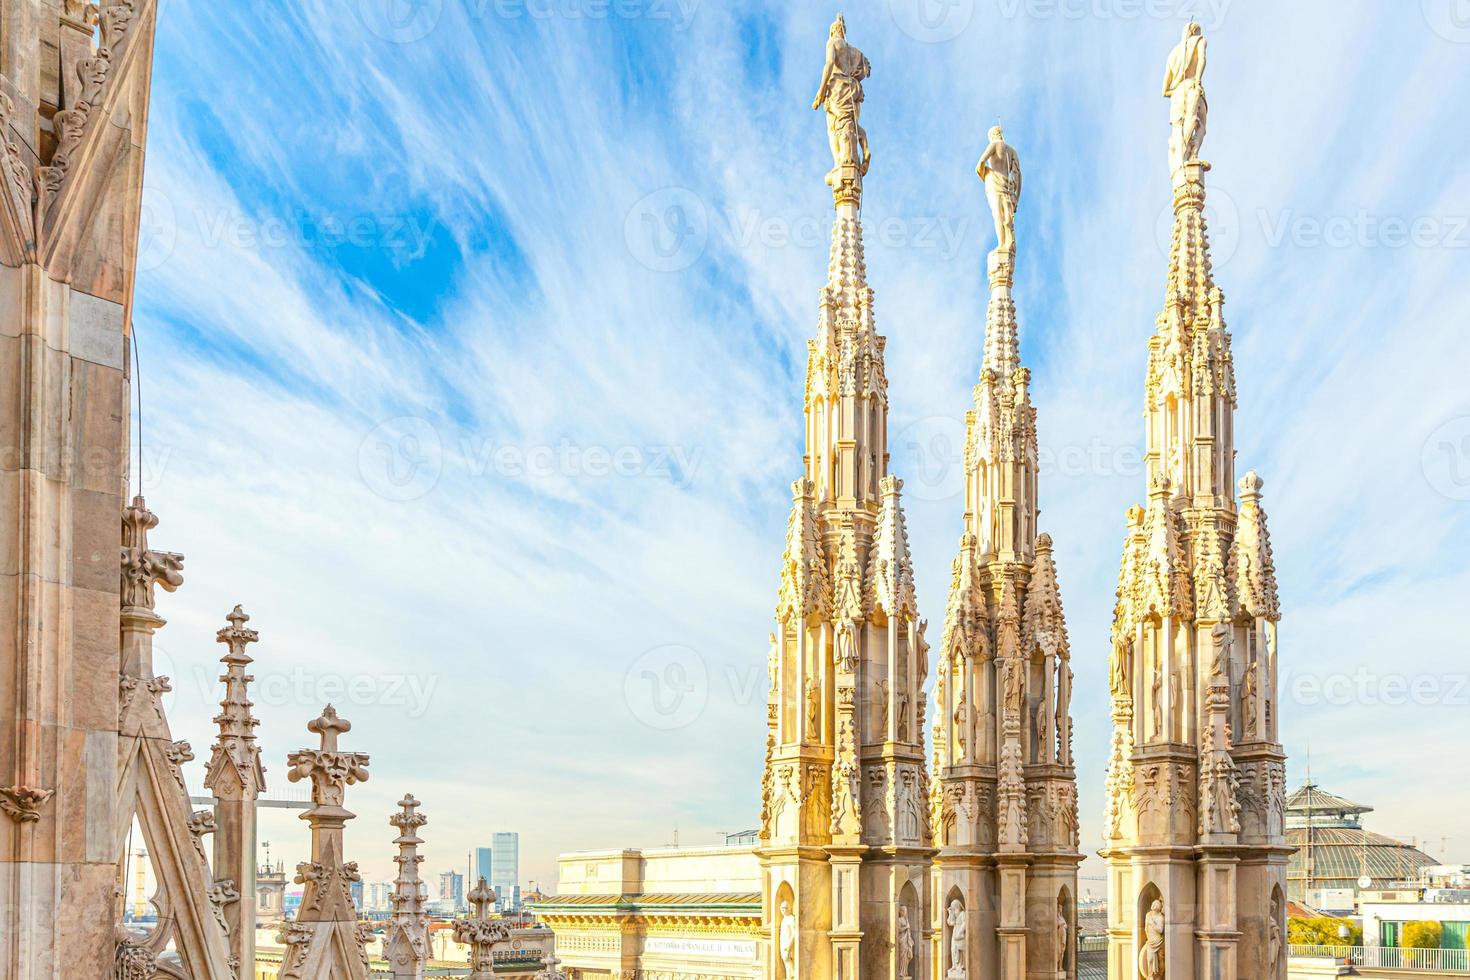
<point x="481" y="288"/>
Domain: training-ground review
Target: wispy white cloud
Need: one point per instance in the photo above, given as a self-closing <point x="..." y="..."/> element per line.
<point x="596" y="368"/>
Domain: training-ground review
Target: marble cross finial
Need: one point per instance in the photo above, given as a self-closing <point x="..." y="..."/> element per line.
<point x="481" y="898"/>
<point x="329" y="726"/>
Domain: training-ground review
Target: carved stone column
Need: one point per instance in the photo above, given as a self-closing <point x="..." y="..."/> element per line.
<point x="236" y="778"/>
<point x="405" y="943"/>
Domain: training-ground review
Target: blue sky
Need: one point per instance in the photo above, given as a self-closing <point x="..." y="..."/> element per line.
<point x="472" y="337"/>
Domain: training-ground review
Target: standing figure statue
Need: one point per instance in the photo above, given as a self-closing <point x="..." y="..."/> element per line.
<point x="1151" y="956"/>
<point x="1184" y="87"/>
<point x="1061" y="938"/>
<point x="905" y="943"/>
<point x="788" y="941"/>
<point x="1000" y="168"/>
<point x="955" y="919"/>
<point x="841" y="92"/>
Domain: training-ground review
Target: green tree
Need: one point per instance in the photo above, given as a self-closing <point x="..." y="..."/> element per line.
<point x="1321" y="931"/>
<point x="1422" y="935"/>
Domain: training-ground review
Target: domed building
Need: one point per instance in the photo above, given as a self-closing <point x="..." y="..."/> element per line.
<point x="1334" y="851"/>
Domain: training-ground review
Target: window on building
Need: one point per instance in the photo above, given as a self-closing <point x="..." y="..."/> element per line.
<point x="1455" y="935"/>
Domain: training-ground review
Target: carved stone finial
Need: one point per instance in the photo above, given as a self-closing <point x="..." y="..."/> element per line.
<point x="329" y="770"/>
<point x="142" y="567"/>
<point x="480" y="932"/>
<point x="550" y="972"/>
<point x="329" y="726"/>
<point x="405" y="941"/>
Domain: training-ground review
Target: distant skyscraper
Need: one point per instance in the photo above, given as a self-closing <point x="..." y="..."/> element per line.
<point x="483" y="865"/>
<point x="505" y="869"/>
<point x="357" y="895"/>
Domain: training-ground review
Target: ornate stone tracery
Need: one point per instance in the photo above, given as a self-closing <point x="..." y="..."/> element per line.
<point x="1194" y="668"/>
<point x="1002" y="756"/>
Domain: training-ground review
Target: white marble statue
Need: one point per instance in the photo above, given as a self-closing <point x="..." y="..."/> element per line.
<point x="955" y="919"/>
<point x="1184" y="88"/>
<point x="841" y="93"/>
<point x="1062" y="935"/>
<point x="905" y="943"/>
<point x="1151" y="956"/>
<point x="788" y="941"/>
<point x="1000" y="168"/>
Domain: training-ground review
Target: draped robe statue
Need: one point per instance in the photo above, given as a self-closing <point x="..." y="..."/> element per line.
<point x="1000" y="168"/>
<point x="1184" y="87"/>
<point x="841" y="93"/>
<point x="1151" y="956"/>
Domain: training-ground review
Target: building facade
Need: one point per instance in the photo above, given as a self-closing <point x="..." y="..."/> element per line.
<point x="1195" y="819"/>
<point x="845" y="846"/>
<point x="1004" y="806"/>
<point x="665" y="914"/>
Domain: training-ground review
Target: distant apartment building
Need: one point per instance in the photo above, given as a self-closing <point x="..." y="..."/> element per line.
<point x="451" y="888"/>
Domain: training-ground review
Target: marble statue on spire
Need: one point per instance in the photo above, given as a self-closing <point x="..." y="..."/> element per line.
<point x="841" y="94"/>
<point x="1184" y="87"/>
<point x="1000" y="168"/>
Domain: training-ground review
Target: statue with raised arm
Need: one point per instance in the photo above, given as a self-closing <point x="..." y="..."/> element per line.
<point x="1184" y="87"/>
<point x="841" y="93"/>
<point x="1000" y="168"/>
